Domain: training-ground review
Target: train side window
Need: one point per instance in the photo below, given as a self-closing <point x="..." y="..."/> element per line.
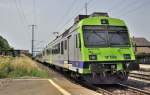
<point x="65" y="44"/>
<point x="43" y="53"/>
<point x="50" y="51"/>
<point x="58" y="51"/>
<point x="62" y="49"/>
<point x="46" y="51"/>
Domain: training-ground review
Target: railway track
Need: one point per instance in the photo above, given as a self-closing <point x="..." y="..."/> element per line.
<point x="120" y="89"/>
<point x="136" y="90"/>
<point x="140" y="76"/>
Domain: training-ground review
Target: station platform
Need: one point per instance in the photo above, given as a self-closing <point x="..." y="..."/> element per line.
<point x="29" y="87"/>
<point x="54" y="86"/>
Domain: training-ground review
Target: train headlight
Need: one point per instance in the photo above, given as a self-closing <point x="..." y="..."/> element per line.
<point x="92" y="57"/>
<point x="127" y="56"/>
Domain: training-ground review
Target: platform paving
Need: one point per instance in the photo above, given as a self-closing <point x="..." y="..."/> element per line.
<point x="29" y="87"/>
<point x="54" y="86"/>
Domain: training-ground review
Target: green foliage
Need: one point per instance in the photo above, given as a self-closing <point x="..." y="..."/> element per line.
<point x="23" y="72"/>
<point x="39" y="73"/>
<point x="19" y="67"/>
<point x="3" y="74"/>
<point x="4" y="44"/>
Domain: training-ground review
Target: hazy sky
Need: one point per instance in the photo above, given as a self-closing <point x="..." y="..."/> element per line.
<point x="50" y="16"/>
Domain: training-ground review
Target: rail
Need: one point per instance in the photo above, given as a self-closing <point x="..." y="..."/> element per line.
<point x="137" y="90"/>
<point x="140" y="76"/>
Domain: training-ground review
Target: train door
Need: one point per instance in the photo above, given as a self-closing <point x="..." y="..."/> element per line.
<point x="77" y="47"/>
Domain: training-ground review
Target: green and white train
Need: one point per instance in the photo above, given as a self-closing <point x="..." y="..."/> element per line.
<point x="96" y="48"/>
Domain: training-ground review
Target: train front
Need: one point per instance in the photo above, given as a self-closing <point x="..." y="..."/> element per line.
<point x="106" y="50"/>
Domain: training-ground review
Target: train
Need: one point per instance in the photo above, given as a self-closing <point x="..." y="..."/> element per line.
<point x="96" y="48"/>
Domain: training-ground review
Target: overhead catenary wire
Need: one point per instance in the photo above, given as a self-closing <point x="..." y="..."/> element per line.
<point x="117" y="4"/>
<point x="124" y="8"/>
<point x="135" y="9"/>
<point x="66" y="13"/>
<point x="23" y="12"/>
<point x="78" y="11"/>
<point x="111" y="8"/>
<point x="19" y="13"/>
<point x="91" y="5"/>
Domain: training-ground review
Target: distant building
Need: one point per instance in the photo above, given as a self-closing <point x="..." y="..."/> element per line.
<point x="142" y="49"/>
<point x="24" y="52"/>
<point x="13" y="52"/>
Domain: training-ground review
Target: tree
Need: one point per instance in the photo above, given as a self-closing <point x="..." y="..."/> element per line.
<point x="4" y="45"/>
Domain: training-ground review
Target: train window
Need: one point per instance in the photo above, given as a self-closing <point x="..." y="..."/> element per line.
<point x="76" y="41"/>
<point x="53" y="50"/>
<point x="62" y="49"/>
<point x="65" y="44"/>
<point x="58" y="51"/>
<point x="43" y="53"/>
<point x="47" y="51"/>
<point x="50" y="50"/>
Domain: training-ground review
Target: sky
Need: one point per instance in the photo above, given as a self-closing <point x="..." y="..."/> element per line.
<point x="50" y="16"/>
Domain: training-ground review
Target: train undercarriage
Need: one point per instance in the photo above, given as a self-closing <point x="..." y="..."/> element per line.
<point x="107" y="74"/>
<point x="106" y="77"/>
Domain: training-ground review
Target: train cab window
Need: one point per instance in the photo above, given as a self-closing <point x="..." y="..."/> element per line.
<point x="62" y="48"/>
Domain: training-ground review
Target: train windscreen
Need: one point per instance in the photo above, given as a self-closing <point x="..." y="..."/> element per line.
<point x="99" y="36"/>
<point x="95" y="38"/>
<point x="118" y="38"/>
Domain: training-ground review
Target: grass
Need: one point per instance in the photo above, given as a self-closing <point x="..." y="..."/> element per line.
<point x="11" y="67"/>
